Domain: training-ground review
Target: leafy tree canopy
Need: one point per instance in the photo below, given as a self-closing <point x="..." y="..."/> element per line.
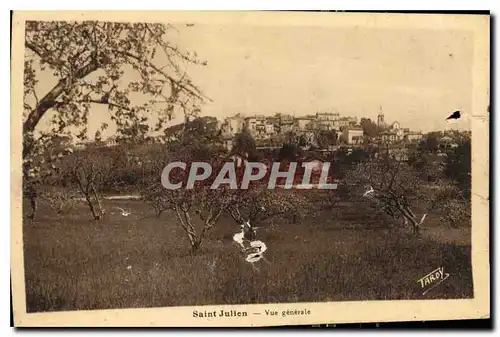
<point x="130" y="67"/>
<point x="370" y="129"/>
<point x="244" y="143"/>
<point x="430" y="143"/>
<point x="458" y="166"/>
<point x="326" y="138"/>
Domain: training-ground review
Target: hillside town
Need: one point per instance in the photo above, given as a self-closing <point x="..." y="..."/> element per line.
<point x="274" y="130"/>
<point x="324" y="132"/>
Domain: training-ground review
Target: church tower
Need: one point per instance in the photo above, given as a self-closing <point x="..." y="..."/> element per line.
<point x="380" y="119"/>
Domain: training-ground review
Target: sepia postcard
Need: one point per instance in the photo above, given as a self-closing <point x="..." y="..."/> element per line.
<point x="237" y="169"/>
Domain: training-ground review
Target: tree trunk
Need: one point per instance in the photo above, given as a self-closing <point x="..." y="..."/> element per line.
<point x="196" y="244"/>
<point x="158" y="212"/>
<point x="415" y="225"/>
<point x="49" y="100"/>
<point x="185" y="221"/>
<point x="409" y="216"/>
<point x="100" y="210"/>
<point x="96" y="211"/>
<point x="416" y="230"/>
<point x="91" y="206"/>
<point x="30" y="193"/>
<point x="34" y="205"/>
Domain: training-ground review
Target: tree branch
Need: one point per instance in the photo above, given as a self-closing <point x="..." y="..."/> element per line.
<point x="41" y="54"/>
<point x="49" y="100"/>
<point x="158" y="70"/>
<point x="98" y="102"/>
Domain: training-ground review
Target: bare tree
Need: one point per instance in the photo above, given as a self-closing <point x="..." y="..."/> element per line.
<point x="258" y="204"/>
<point x="155" y="196"/>
<point x="396" y="188"/>
<point x="201" y="202"/>
<point x="150" y="187"/>
<point x="60" y="200"/>
<point x="90" y="170"/>
<point x="42" y="168"/>
<point x="453" y="205"/>
<point x="199" y="208"/>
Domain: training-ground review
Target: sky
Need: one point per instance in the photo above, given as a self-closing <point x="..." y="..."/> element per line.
<point x="417" y="76"/>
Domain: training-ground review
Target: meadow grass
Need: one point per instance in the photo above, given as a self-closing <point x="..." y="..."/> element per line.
<point x="73" y="263"/>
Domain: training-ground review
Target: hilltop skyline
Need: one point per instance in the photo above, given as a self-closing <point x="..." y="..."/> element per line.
<point x="417" y="76"/>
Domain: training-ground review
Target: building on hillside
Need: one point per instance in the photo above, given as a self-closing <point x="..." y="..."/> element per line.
<point x="251" y="124"/>
<point x="303" y="123"/>
<point x="232" y="125"/>
<point x="325" y="125"/>
<point x="269" y="129"/>
<point x="339" y="125"/>
<point x="392" y="132"/>
<point x="395" y="126"/>
<point x="327" y="116"/>
<point x="281" y="119"/>
<point x="352" y="135"/>
<point x="343" y="122"/>
<point x="259" y="126"/>
<point x="259" y="132"/>
<point x="326" y="121"/>
<point x="388" y="136"/>
<point x="414" y="136"/>
<point x="283" y="123"/>
<point x="284" y="118"/>
<point x="400" y="134"/>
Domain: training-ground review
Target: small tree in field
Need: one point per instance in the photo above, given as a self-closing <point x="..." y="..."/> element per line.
<point x="60" y="200"/>
<point x="90" y="170"/>
<point x="203" y="203"/>
<point x="150" y="187"/>
<point x="453" y="205"/>
<point x="41" y="168"/>
<point x="258" y="204"/>
<point x="197" y="209"/>
<point x="396" y="188"/>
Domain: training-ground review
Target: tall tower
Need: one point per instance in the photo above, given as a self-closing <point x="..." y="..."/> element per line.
<point x="380" y="118"/>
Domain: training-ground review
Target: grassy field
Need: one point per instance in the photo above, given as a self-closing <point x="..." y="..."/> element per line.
<point x="74" y="263"/>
